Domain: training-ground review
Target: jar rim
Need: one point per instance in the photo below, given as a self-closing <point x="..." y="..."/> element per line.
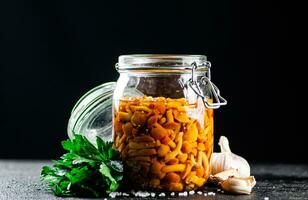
<point x="160" y="61"/>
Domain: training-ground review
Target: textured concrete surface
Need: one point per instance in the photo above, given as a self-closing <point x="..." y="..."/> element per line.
<point x="19" y="179"/>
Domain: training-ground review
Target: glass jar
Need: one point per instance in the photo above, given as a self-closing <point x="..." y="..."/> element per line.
<point x="163" y="120"/>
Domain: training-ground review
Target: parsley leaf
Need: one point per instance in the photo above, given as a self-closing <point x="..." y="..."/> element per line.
<point x="86" y="170"/>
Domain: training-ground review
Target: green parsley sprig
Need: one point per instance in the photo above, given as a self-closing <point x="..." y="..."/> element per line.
<point x="85" y="170"/>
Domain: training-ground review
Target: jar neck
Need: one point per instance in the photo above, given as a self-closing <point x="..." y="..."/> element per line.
<point x="162" y="72"/>
<point x="160" y="61"/>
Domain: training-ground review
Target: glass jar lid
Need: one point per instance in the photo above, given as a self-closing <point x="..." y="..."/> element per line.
<point x="92" y="114"/>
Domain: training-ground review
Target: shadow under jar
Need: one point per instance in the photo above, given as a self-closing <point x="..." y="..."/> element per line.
<point x="163" y="120"/>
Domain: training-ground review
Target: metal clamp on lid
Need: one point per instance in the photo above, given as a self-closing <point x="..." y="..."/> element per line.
<point x="193" y="83"/>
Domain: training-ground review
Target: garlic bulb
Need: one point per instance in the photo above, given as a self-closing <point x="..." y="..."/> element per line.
<point x="237" y="185"/>
<point x="227" y="160"/>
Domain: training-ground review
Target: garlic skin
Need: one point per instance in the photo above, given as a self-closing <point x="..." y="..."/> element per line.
<point x="222" y="176"/>
<point x="227" y="160"/>
<point x="237" y="185"/>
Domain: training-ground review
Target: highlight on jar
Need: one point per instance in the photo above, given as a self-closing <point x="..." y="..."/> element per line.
<point x="169" y="140"/>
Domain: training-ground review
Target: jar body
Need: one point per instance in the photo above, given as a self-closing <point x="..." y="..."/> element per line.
<point x="163" y="130"/>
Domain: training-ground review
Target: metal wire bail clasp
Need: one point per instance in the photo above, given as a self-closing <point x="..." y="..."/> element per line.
<point x="194" y="85"/>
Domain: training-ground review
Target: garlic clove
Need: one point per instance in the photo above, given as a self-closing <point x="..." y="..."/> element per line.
<point x="238" y="185"/>
<point x="224" y="175"/>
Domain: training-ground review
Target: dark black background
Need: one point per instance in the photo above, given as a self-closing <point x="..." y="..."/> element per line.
<point x="53" y="52"/>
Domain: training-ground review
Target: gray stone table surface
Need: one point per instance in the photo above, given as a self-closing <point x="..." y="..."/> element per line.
<point x="19" y="179"/>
